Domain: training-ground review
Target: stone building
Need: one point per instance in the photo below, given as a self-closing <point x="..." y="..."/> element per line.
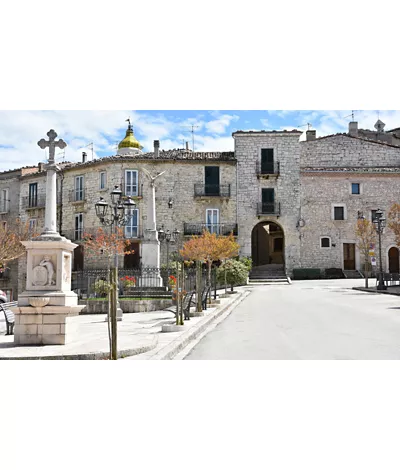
<point x="291" y="203"/>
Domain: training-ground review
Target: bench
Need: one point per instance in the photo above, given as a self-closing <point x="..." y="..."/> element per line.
<point x="9" y="315"/>
<point x="186" y="303"/>
<point x="204" y="295"/>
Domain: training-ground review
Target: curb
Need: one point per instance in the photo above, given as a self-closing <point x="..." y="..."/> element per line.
<point x="90" y="356"/>
<point x="171" y="350"/>
<point x="364" y="289"/>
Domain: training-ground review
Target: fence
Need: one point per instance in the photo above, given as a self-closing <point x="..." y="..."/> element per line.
<point x="147" y="281"/>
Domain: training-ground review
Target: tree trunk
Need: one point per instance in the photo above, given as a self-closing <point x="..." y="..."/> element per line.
<point x="199" y="307"/>
<point x="114" y="315"/>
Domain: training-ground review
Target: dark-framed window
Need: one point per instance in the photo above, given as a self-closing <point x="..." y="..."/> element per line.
<point x="325" y="242"/>
<point x="338" y="213"/>
<point x="267" y="161"/>
<point x="355" y="188"/>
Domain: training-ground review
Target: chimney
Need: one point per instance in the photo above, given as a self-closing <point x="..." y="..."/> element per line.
<point x="156" y="148"/>
<point x="187" y="146"/>
<point x="311" y="135"/>
<point x="40" y="167"/>
<point x="84" y="155"/>
<point x="353" y="128"/>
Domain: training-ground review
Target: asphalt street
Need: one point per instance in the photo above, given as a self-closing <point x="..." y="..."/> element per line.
<point x="323" y="319"/>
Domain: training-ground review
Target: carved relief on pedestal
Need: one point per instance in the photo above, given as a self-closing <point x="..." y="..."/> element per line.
<point x="43" y="273"/>
<point x="67" y="268"/>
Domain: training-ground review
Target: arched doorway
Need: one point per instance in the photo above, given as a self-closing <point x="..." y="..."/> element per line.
<point x="267" y="244"/>
<point x="393" y="255"/>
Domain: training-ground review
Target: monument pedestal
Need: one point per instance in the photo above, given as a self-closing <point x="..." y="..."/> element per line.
<point x="47" y="310"/>
<point x="151" y="259"/>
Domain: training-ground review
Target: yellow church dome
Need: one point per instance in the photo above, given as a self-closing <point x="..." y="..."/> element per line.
<point x="130" y="140"/>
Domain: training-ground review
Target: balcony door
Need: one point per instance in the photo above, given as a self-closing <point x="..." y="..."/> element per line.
<point x="79" y="196"/>
<point x="268" y="200"/>
<point x="33" y="195"/>
<point x="211" y="181"/>
<point x="212" y="220"/>
<point x="267" y="161"/>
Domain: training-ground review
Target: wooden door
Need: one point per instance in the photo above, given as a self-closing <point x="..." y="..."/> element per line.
<point x="349" y="256"/>
<point x="132" y="260"/>
<point x="393" y="260"/>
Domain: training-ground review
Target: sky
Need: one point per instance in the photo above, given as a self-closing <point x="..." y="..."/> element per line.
<point x="98" y="132"/>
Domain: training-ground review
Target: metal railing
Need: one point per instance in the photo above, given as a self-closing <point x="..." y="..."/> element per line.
<point x="77" y="195"/>
<point x="214" y="190"/>
<point x="267" y="169"/>
<point x="219" y="229"/>
<point x="269" y="208"/>
<point x="74" y="235"/>
<point x="37" y="201"/>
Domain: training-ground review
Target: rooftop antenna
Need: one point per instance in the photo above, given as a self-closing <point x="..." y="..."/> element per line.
<point x="352" y="116"/>
<point x="308" y="124"/>
<point x="62" y="153"/>
<point x="90" y="146"/>
<point x="192" y="131"/>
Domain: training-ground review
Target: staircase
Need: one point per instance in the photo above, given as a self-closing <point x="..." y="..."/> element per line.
<point x="353" y="274"/>
<point x="268" y="273"/>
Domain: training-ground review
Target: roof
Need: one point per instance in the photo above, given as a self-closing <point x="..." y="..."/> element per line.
<point x="352" y="169"/>
<point x="343" y="134"/>
<point x="294" y="131"/>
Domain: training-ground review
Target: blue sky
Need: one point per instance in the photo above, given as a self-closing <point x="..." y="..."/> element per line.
<point x="21" y="130"/>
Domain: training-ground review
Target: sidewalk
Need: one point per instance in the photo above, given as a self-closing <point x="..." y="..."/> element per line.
<point x="391" y="290"/>
<point x="139" y="335"/>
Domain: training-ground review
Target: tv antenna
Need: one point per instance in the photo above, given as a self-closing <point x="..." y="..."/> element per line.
<point x="192" y="131"/>
<point x="90" y="146"/>
<point x="352" y="116"/>
<point x="309" y="125"/>
<point x="62" y="153"/>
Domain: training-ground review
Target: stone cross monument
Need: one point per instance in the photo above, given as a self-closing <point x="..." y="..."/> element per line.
<point x="45" y="309"/>
<point x="151" y="244"/>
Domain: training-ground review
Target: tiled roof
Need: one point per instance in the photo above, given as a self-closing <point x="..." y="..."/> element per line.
<point x="352" y="169"/>
<point x="378" y="142"/>
<point x="294" y="131"/>
<point x="164" y="155"/>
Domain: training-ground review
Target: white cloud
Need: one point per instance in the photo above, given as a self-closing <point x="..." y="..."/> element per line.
<point x="219" y="125"/>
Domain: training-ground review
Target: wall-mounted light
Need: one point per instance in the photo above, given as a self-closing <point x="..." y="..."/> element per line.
<point x="333" y="245"/>
<point x="170" y="203"/>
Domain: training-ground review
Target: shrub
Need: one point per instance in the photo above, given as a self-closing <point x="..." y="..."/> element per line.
<point x="236" y="273"/>
<point x="102" y="287"/>
<point x="247" y="261"/>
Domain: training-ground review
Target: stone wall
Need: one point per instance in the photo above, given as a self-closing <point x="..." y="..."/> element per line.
<point x="319" y="192"/>
<point x="287" y="188"/>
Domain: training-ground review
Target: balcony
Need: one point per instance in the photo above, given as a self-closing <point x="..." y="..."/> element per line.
<point x="77" y="195"/>
<point x="36" y="202"/>
<point x="73" y="235"/>
<point x="132" y="190"/>
<point x="269" y="208"/>
<point x="212" y="190"/>
<point x="270" y="170"/>
<point x="219" y="229"/>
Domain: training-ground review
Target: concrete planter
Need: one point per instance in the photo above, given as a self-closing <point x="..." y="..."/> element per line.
<point x="127" y="306"/>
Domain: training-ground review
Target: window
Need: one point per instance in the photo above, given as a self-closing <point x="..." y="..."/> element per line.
<point x="131" y="182"/>
<point x="212" y="220"/>
<point x="132" y="229"/>
<point x="32" y="225"/>
<point x="373" y="215"/>
<point x="325" y="242"/>
<point x="33" y="195"/>
<point x="103" y="180"/>
<point x="268" y="201"/>
<point x="355" y="188"/>
<point x="211" y="180"/>
<point x="79" y="191"/>
<point x="4" y="200"/>
<point x="267" y="161"/>
<point x="78" y="226"/>
<point x="338" y="213"/>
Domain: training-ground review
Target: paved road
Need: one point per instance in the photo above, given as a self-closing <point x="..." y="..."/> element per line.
<point x="307" y="320"/>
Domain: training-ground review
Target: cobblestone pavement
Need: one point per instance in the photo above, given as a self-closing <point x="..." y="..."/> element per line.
<point x="308" y="320"/>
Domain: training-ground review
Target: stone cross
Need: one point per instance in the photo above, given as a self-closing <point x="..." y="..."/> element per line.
<point x="52" y="144"/>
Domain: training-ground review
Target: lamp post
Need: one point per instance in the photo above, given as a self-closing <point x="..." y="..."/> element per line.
<point x="168" y="237"/>
<point x="119" y="215"/>
<point x="380" y="223"/>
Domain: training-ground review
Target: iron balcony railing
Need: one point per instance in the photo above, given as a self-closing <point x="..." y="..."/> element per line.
<point x="272" y="169"/>
<point x="132" y="190"/>
<point x="37" y="201"/>
<point x="73" y="235"/>
<point x="219" y="229"/>
<point x="214" y="190"/>
<point x="269" y="208"/>
<point x="77" y="195"/>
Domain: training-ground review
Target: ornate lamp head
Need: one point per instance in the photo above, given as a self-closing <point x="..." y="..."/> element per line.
<point x="116" y="195"/>
<point x="101" y="208"/>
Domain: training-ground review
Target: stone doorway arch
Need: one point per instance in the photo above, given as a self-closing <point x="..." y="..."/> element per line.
<point x="393" y="256"/>
<point x="267" y="244"/>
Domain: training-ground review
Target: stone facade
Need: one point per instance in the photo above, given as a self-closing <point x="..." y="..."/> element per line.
<point x="313" y="177"/>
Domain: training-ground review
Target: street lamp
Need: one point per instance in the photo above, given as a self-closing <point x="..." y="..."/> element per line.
<point x="117" y="214"/>
<point x="168" y="237"/>
<point x="380" y="223"/>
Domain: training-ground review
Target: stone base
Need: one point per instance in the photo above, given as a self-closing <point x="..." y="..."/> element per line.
<point x="196" y="314"/>
<point x="152" y="281"/>
<point x="58" y="298"/>
<point x="171" y="328"/>
<point x="119" y="314"/>
<point x="45" y="325"/>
